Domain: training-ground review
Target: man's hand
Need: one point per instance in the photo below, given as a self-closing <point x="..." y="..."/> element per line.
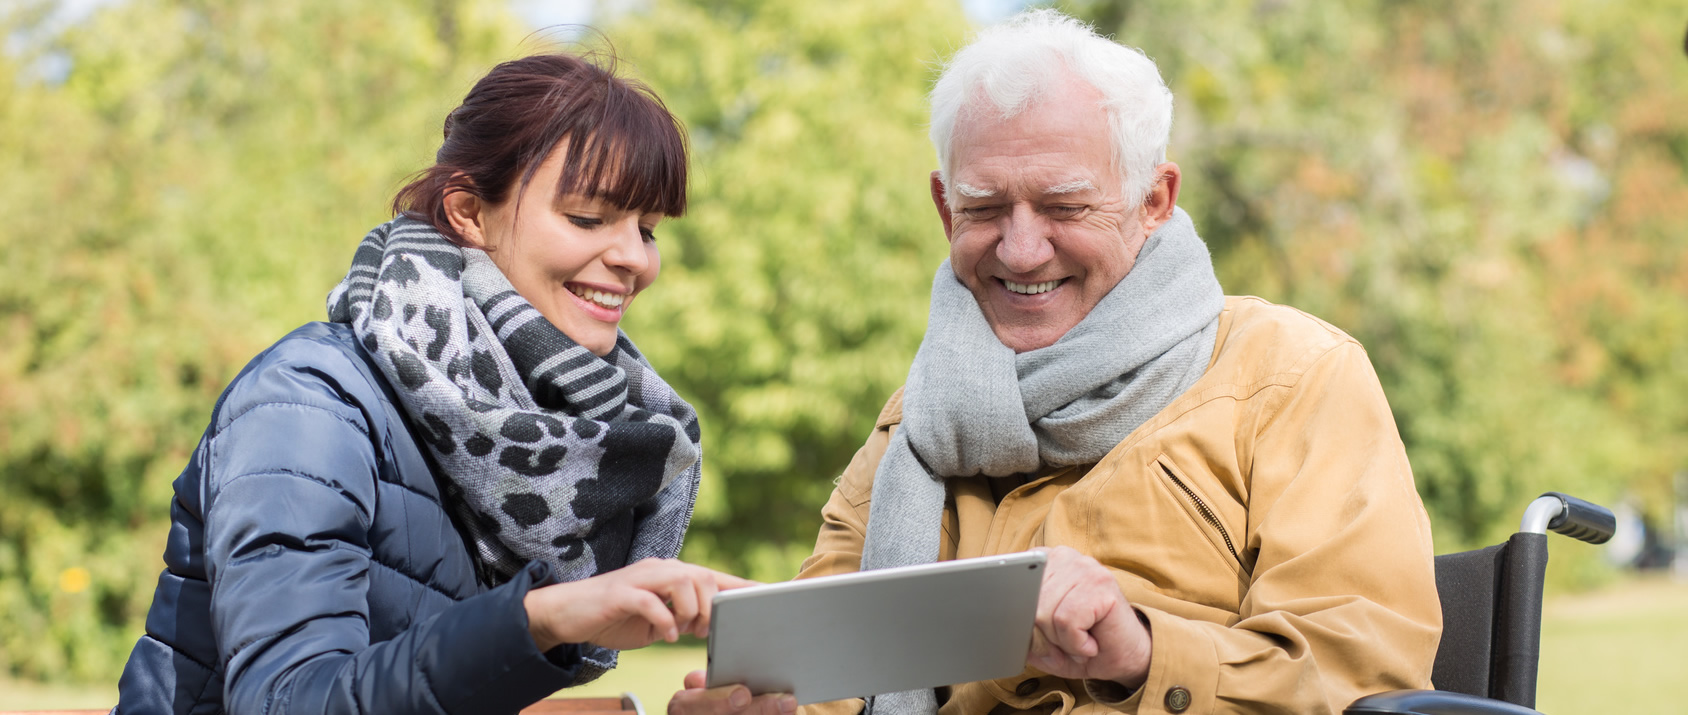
<point x="727" y="700"/>
<point x="1085" y="627"/>
<point x="630" y="607"/>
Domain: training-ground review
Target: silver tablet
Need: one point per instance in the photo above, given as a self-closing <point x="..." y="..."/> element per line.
<point x="874" y="632"/>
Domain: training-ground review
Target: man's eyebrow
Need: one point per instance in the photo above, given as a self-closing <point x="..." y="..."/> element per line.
<point x="1071" y="187"/>
<point x="973" y="192"/>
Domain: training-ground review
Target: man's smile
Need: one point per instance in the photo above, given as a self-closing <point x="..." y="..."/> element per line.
<point x="1031" y="288"/>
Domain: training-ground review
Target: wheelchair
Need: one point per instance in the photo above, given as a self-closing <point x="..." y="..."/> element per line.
<point x="1491" y="618"/>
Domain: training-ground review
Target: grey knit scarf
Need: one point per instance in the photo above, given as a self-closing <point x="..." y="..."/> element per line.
<point x="972" y="406"/>
<point x="545" y="451"/>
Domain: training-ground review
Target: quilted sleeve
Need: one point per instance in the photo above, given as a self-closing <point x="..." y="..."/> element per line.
<point x="290" y="489"/>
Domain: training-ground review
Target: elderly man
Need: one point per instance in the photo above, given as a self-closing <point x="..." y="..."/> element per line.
<point x="1231" y="521"/>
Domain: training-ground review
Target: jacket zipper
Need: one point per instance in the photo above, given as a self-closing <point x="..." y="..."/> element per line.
<point x="1207" y="514"/>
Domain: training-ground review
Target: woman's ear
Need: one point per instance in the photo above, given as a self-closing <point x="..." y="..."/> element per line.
<point x="467" y="214"/>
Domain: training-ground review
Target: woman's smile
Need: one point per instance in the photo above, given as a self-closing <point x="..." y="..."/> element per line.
<point x="606" y="304"/>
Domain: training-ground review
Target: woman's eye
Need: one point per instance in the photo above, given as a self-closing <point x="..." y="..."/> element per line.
<point x="648" y="234"/>
<point x="585" y="221"/>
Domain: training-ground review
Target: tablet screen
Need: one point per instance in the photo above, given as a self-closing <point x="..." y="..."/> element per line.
<point x="873" y="632"/>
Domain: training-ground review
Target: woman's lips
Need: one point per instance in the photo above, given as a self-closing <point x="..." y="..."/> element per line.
<point x="600" y="304"/>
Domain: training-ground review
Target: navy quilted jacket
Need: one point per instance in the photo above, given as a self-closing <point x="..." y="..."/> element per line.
<point x="311" y="568"/>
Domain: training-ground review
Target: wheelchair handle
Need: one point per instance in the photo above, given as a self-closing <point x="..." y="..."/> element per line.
<point x="1568" y="515"/>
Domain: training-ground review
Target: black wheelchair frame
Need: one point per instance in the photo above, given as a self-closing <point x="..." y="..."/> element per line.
<point x="1491" y="617"/>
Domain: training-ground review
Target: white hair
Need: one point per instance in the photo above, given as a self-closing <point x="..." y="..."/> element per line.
<point x="1014" y="63"/>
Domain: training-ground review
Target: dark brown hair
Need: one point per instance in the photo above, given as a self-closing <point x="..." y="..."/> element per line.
<point x="623" y="145"/>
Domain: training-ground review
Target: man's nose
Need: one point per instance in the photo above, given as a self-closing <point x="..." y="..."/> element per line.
<point x="1025" y="241"/>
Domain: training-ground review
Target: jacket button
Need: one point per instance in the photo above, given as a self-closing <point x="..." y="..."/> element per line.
<point x="1178" y="699"/>
<point x="1026" y="687"/>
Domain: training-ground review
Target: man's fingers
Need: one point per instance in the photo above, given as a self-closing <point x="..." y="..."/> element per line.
<point x="1057" y="583"/>
<point x="1037" y="646"/>
<point x="1085" y="624"/>
<point x="1076" y="593"/>
<point x="1056" y="663"/>
<point x="726" y="700"/>
<point x="1046" y="657"/>
<point x="1071" y="623"/>
<point x="771" y="704"/>
<point x="1041" y="647"/>
<point x="695" y="679"/>
<point x="1061" y="619"/>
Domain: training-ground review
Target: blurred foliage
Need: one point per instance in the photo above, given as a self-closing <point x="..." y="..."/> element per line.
<point x="1487" y="194"/>
<point x="183" y="198"/>
<point x="794" y="292"/>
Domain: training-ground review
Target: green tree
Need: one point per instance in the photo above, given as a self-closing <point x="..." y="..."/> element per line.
<point x="1486" y="194"/>
<point x="185" y="197"/>
<point x="794" y="292"/>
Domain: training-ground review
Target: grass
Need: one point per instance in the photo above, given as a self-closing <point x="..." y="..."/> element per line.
<point x="29" y="695"/>
<point x="1621" y="649"/>
<point x="651" y="674"/>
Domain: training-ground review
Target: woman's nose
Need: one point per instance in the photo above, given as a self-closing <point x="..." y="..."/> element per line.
<point x="627" y="248"/>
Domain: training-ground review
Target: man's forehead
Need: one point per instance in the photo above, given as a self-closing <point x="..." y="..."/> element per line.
<point x="1057" y="146"/>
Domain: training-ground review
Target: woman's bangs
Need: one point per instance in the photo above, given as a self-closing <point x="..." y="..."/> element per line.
<point x="634" y="157"/>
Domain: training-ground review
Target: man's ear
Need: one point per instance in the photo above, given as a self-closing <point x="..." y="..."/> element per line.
<point x="1158" y="205"/>
<point x="465" y="211"/>
<point x="941" y="200"/>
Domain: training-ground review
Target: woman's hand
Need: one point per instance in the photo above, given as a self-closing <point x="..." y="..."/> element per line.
<point x="629" y="607"/>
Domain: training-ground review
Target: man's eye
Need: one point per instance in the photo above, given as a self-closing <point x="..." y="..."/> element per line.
<point x="585" y="221"/>
<point x="1063" y="211"/>
<point x="979" y="213"/>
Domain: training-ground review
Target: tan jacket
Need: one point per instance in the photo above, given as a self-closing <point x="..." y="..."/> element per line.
<point x="1265" y="523"/>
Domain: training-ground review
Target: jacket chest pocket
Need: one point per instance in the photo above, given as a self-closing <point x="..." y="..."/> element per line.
<point x="1198" y="508"/>
<point x="1135" y="518"/>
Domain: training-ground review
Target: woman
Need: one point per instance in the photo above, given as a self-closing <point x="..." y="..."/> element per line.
<point x="430" y="504"/>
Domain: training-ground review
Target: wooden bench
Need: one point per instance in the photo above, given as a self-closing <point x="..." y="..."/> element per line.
<point x="627" y="704"/>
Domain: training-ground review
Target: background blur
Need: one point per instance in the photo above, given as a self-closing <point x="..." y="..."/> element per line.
<point x="1489" y="195"/>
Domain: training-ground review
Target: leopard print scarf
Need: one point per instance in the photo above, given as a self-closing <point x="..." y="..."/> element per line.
<point x="547" y="451"/>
